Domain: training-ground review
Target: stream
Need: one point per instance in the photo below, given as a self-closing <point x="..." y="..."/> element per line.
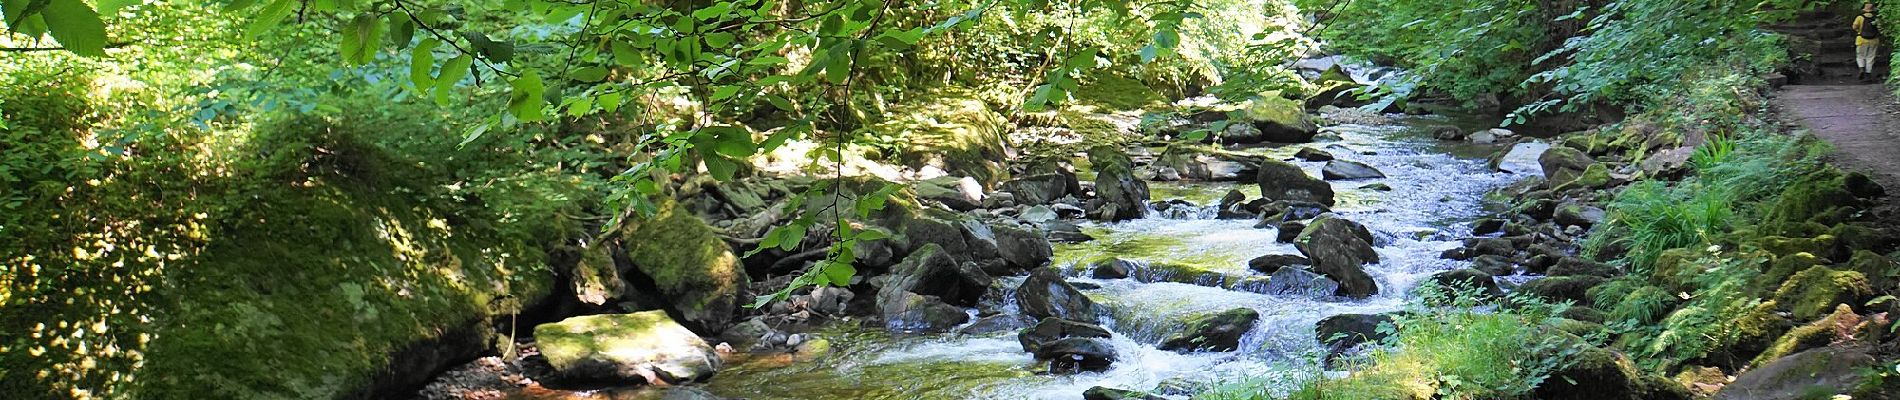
<point x="1437" y="187"/>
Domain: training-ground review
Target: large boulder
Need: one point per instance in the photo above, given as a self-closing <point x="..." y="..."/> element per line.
<point x="1344" y="331"/>
<point x="1201" y="162"/>
<point x="1037" y="189"/>
<point x="1053" y="329"/>
<point x="1830" y="370"/>
<point x="1123" y="196"/>
<point x="1212" y="332"/>
<point x="1522" y="158"/>
<point x="1278" y="120"/>
<point x="924" y="290"/>
<point x="1282" y="181"/>
<point x="1814" y="292"/>
<point x="1340" y="249"/>
<point x="645" y="347"/>
<point x="1020" y="248"/>
<point x="1045" y="294"/>
<point x="691" y="267"/>
<point x="952" y="131"/>
<point x="1598" y="374"/>
<point x="961" y="194"/>
<point x="1349" y="170"/>
<point x="1563" y="164"/>
<point x="1272" y="263"/>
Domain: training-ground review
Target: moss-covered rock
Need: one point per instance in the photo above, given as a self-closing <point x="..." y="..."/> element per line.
<point x="1785" y="267"/>
<point x="1562" y="165"/>
<point x="1212" y="331"/>
<point x="1340" y="249"/>
<point x="1116" y="93"/>
<point x="1820" y="246"/>
<point x="1122" y="195"/>
<point x="1813" y="335"/>
<point x="953" y="131"/>
<point x="1595" y="176"/>
<point x="644" y="347"/>
<point x="1814" y="292"/>
<point x="1815" y="198"/>
<point x="1562" y="288"/>
<point x="1598" y="374"/>
<point x="1813" y="374"/>
<point x="696" y="272"/>
<point x="1282" y="181"/>
<point x="1278" y="120"/>
<point x="1881" y="271"/>
<point x="1107" y="393"/>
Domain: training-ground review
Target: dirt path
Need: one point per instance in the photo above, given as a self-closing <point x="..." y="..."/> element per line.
<point x="1859" y="120"/>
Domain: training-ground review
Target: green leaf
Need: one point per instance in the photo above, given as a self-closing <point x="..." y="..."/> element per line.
<point x="838" y="273"/>
<point x="625" y="55"/>
<point x="872" y="234"/>
<point x="793" y="235"/>
<point x="361" y="38"/>
<point x="724" y="92"/>
<point x="525" y="100"/>
<point x="719" y="39"/>
<point x="452" y="73"/>
<point x="268" y="18"/>
<point x="721" y="168"/>
<point x="421" y="64"/>
<point x="402" y="30"/>
<point x="838" y="66"/>
<point x="589" y="74"/>
<point x="76" y="26"/>
<point x="109" y="7"/>
<point x="713" y="11"/>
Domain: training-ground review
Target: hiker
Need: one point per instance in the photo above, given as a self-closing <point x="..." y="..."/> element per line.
<point x="1866" y="41"/>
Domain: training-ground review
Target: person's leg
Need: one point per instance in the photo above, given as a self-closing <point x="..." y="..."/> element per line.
<point x="1864" y="58"/>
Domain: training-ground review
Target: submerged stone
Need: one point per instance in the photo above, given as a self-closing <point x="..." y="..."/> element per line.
<point x="1349" y="170"/>
<point x="1107" y="393"/>
<point x="1077" y="354"/>
<point x="645" y="346"/>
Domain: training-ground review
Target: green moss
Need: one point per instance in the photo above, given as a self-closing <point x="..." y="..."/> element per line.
<point x="1816" y="334"/>
<point x="311" y="289"/>
<point x="951" y="129"/>
<point x="1117" y="93"/>
<point x="689" y="264"/>
<point x="1271" y="107"/>
<point x="1813" y="292"/>
<point x="1814" y="198"/>
<point x="1596" y="176"/>
<point x="1786" y="266"/>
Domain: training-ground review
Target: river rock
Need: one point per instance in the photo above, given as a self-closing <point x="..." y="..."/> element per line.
<point x="1561" y="288"/>
<point x="1521" y="158"/>
<point x="1038" y="214"/>
<point x="1280" y="211"/>
<point x="1563" y="164"/>
<point x="1037" y="189"/>
<point x="1233" y="198"/>
<point x="1111" y="268"/>
<point x="1107" y="393"/>
<point x="1288" y="231"/>
<point x="1272" y="263"/>
<point x="1299" y="282"/>
<point x="1798" y="376"/>
<point x="1577" y="266"/>
<point x="928" y="290"/>
<point x="1282" y="181"/>
<point x="1065" y="232"/>
<point x="1349" y="170"/>
<point x="646" y="346"/>
<point x="1123" y="197"/>
<point x="692" y="268"/>
<point x="1312" y="154"/>
<point x="1466" y="279"/>
<point x="1577" y="214"/>
<point x="1344" y="331"/>
<point x="1045" y="294"/>
<point x="961" y="194"/>
<point x="1598" y="374"/>
<point x="1021" y="248"/>
<point x="1240" y="134"/>
<point x="1212" y="332"/>
<point x="1205" y="163"/>
<point x="1076" y="354"/>
<point x="1448" y="133"/>
<point x="1051" y="329"/>
<point x="1340" y="249"/>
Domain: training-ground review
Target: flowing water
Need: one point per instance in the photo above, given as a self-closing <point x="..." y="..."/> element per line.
<point x="1437" y="190"/>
